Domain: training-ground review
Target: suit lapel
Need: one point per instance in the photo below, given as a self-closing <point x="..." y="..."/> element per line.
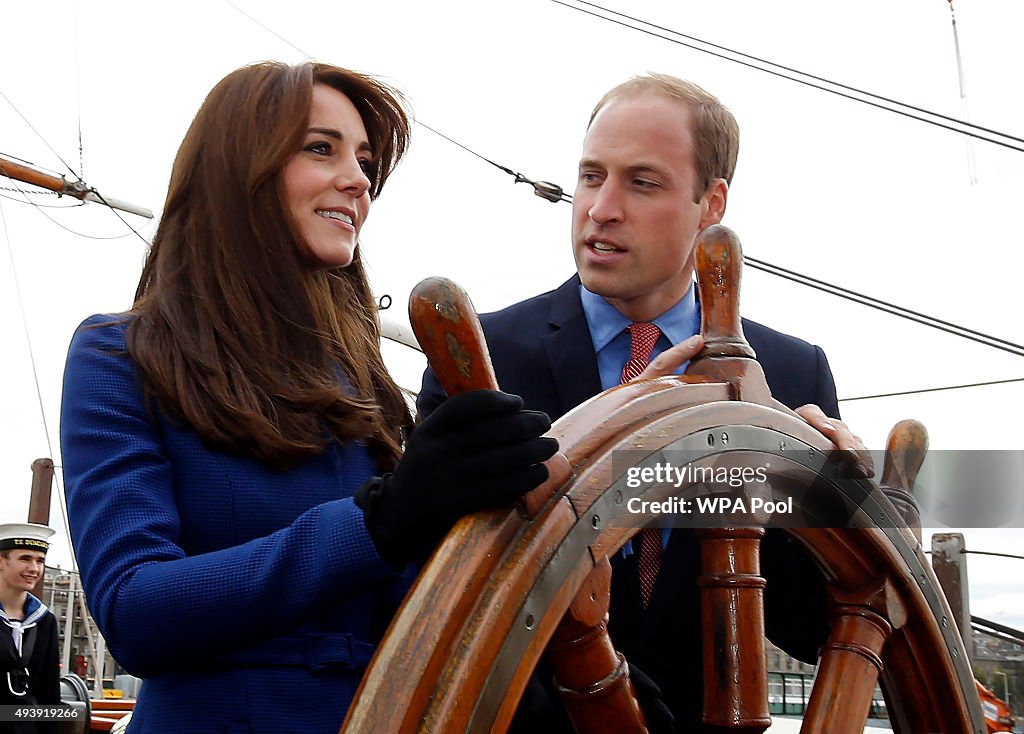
<point x="570" y="350"/>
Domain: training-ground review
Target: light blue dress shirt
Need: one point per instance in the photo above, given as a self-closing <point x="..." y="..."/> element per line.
<point x="611" y="340"/>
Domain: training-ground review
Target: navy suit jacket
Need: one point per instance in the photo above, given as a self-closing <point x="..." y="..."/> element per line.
<point x="542" y="350"/>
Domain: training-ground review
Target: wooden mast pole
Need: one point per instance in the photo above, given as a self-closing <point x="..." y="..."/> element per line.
<point x="39" y="504"/>
<point x="77" y="189"/>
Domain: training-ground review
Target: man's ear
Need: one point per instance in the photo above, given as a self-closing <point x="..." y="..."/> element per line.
<point x="714" y="201"/>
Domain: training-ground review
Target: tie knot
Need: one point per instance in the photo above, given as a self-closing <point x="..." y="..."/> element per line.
<point x="643" y="335"/>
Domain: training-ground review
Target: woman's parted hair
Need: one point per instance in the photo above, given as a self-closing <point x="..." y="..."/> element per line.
<point x="233" y="333"/>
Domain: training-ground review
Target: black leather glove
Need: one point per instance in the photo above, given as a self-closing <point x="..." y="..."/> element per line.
<point x="540" y="710"/>
<point x="659" y="719"/>
<point x="478" y="449"/>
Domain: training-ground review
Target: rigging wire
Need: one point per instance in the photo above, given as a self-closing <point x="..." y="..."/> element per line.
<point x="44" y="169"/>
<point x="987" y="631"/>
<point x="31" y="351"/>
<point x="762" y="265"/>
<point x="78" y="91"/>
<point x="40" y="135"/>
<point x="507" y="170"/>
<point x="971" y="171"/>
<point x="809" y="80"/>
<point x="931" y="389"/>
<point x="886" y="307"/>
<point x="42" y="206"/>
<point x="65" y="228"/>
<point x="269" y="30"/>
<point x="991" y="553"/>
<point x="824" y="80"/>
<point x="123" y="220"/>
<point x="543" y="189"/>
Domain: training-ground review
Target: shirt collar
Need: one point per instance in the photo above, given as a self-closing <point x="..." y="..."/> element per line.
<point x="33" y="610"/>
<point x="679" y="322"/>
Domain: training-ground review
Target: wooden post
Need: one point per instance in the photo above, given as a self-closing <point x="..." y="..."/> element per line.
<point x="449" y="333"/>
<point x="39" y="499"/>
<point x="726" y="356"/>
<point x="951" y="571"/>
<point x="592" y="678"/>
<point x="732" y="621"/>
<point x="39" y="504"/>
<point x="851" y="660"/>
<point x="904" y="454"/>
<point x="849" y="667"/>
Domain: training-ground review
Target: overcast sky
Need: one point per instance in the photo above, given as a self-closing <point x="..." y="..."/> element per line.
<point x="831" y="188"/>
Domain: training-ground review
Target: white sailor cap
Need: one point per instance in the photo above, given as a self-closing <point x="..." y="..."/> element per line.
<point x="25" y="535"/>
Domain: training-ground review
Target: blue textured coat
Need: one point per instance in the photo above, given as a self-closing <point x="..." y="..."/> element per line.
<point x="246" y="597"/>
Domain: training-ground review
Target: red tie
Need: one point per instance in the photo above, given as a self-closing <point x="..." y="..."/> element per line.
<point x="643" y="336"/>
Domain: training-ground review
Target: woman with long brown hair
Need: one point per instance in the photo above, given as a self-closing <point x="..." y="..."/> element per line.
<point x="244" y="488"/>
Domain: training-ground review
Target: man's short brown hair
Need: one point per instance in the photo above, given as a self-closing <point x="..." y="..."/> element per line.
<point x="716" y="135"/>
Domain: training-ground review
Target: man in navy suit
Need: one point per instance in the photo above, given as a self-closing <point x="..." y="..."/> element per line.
<point x="657" y="160"/>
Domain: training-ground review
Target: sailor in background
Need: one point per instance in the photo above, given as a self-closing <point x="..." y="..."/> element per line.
<point x="29" y="663"/>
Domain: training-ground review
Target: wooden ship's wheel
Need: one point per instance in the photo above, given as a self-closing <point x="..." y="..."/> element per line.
<point x="508" y="586"/>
